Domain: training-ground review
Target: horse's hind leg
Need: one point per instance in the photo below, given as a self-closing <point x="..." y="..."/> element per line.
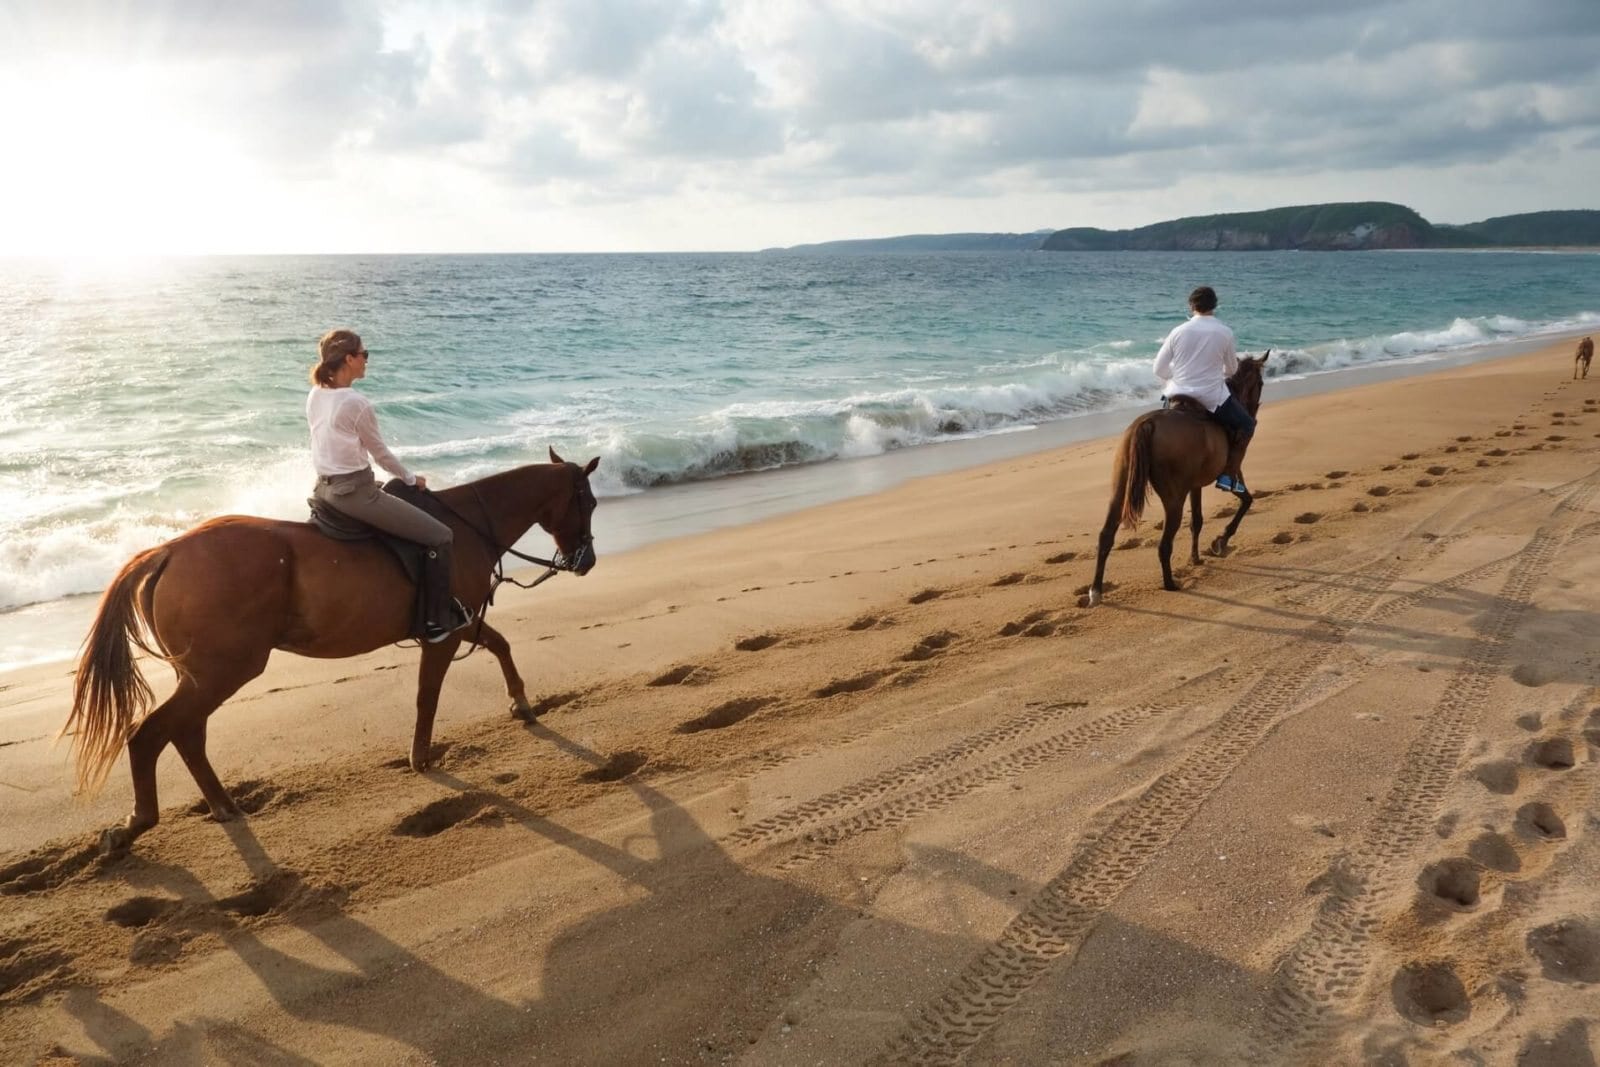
<point x="1196" y="521"/>
<point x="1108" y="535"/>
<point x="191" y="745"/>
<point x="176" y="720"/>
<point x="1169" y="533"/>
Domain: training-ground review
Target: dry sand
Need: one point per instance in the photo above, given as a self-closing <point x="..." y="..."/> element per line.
<point x="865" y="784"/>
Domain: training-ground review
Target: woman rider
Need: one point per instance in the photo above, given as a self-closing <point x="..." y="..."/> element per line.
<point x="344" y="432"/>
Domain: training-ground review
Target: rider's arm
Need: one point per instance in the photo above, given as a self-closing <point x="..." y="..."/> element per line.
<point x="366" y="427"/>
<point x="1163" y="366"/>
<point x="1230" y="358"/>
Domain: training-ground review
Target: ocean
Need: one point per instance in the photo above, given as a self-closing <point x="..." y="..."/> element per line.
<point x="138" y="398"/>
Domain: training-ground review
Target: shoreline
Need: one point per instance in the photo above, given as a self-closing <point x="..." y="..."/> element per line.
<point x="51" y="632"/>
<point x="843" y="765"/>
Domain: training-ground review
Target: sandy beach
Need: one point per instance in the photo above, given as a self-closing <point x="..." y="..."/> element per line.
<point x="866" y="784"/>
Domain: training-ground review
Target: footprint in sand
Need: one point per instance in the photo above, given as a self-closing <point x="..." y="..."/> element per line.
<point x="1283" y="537"/>
<point x="925" y="596"/>
<point x="687" y="674"/>
<point x="1430" y="994"/>
<point x="1360" y="505"/>
<point x="1553" y="753"/>
<point x="440" y="815"/>
<point x="1335" y="475"/>
<point x="1591" y="727"/>
<point x="1033" y="624"/>
<point x="929" y="646"/>
<point x="1497" y="776"/>
<point x="1411" y="455"/>
<point x="725" y="714"/>
<point x="141" y="911"/>
<point x="868" y="622"/>
<point x="1539" y="821"/>
<point x="1131" y="542"/>
<point x="1452" y="882"/>
<point x="1568" y="950"/>
<point x="1555" y="437"/>
<point x="1379" y="490"/>
<point x="1306" y="518"/>
<point x="1493" y="852"/>
<point x="1009" y="579"/>
<point x="756" y="643"/>
<point x="1062" y="557"/>
<point x="1437" y="471"/>
<point x="852" y="685"/>
<point x="618" y="767"/>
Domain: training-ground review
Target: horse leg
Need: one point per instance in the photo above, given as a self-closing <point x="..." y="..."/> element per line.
<point x="191" y="745"/>
<point x="500" y="648"/>
<point x="1219" y="547"/>
<point x="1108" y="534"/>
<point x="436" y="661"/>
<point x="1196" y="521"/>
<point x="1169" y="533"/>
<point x="176" y="719"/>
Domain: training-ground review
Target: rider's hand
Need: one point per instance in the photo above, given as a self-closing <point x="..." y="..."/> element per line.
<point x="421" y="482"/>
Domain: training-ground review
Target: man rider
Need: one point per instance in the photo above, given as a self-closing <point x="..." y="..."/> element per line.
<point x="1196" y="360"/>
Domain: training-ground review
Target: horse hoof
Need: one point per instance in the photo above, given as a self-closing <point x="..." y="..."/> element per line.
<point x="1094" y="598"/>
<point x="1219" y="548"/>
<point x="115" y="840"/>
<point x="1172" y="587"/>
<point x="523" y="710"/>
<point x="227" y="813"/>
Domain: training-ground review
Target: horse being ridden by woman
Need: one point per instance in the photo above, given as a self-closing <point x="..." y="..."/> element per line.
<point x="215" y="602"/>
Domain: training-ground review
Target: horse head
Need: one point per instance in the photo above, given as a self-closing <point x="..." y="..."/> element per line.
<point x="566" y="516"/>
<point x="1246" y="381"/>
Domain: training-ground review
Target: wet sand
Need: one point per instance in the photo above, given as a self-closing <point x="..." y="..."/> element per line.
<point x="864" y="783"/>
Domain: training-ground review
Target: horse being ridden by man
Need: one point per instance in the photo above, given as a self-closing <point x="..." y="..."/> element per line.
<point x="1585" y="353"/>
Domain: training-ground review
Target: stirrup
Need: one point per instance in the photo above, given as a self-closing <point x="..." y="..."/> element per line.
<point x="460" y="618"/>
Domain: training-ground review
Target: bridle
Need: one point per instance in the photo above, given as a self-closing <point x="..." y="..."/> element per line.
<point x="580" y="559"/>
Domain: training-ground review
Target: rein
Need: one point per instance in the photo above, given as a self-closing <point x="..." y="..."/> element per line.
<point x="552" y="566"/>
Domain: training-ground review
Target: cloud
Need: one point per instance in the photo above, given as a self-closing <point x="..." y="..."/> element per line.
<point x="751" y="100"/>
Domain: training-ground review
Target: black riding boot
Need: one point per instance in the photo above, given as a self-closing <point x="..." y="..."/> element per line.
<point x="442" y="613"/>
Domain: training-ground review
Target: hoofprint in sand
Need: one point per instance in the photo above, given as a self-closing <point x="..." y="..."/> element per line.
<point x="867" y="784"/>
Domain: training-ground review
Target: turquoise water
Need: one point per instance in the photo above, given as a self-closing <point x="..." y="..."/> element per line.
<point x="137" y="399"/>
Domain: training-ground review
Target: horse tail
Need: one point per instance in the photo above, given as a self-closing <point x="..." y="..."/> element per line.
<point x="1133" y="468"/>
<point x="109" y="693"/>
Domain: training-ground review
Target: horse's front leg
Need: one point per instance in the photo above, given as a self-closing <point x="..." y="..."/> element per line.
<point x="1219" y="547"/>
<point x="430" y="679"/>
<point x="500" y="648"/>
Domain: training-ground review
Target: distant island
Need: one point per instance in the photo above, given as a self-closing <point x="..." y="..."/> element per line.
<point x="1314" y="227"/>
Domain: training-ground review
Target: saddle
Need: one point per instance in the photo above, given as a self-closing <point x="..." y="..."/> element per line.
<point x="1188" y="405"/>
<point x="341" y="527"/>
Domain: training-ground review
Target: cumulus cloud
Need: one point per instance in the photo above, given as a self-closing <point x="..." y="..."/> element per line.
<point x="608" y="99"/>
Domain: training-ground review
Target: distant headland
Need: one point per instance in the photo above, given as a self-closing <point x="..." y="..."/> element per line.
<point x="1367" y="225"/>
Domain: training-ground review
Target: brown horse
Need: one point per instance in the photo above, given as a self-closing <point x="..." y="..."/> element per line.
<point x="1584" y="354"/>
<point x="1178" y="454"/>
<point x="216" y="601"/>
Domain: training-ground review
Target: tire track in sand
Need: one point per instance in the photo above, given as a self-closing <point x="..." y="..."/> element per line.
<point x="1054" y="922"/>
<point x="1330" y="961"/>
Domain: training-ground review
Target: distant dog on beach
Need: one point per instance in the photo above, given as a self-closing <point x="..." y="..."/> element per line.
<point x="1585" y="354"/>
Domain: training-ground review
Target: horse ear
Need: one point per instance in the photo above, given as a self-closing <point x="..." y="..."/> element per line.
<point x="555" y="458"/>
<point x="590" y="466"/>
<point x="1265" y="354"/>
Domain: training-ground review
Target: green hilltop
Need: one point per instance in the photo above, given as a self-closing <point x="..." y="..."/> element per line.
<point x="1357" y="226"/>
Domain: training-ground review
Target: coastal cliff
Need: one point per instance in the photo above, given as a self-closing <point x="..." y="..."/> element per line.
<point x="1356" y="226"/>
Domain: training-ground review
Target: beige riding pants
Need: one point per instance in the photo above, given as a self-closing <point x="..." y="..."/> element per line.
<point x="358" y="495"/>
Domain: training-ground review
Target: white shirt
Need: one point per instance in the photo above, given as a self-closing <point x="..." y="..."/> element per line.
<point x="1197" y="359"/>
<point x="344" y="430"/>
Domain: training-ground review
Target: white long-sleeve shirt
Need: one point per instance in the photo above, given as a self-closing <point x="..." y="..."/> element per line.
<point x="344" y="431"/>
<point x="1197" y="359"/>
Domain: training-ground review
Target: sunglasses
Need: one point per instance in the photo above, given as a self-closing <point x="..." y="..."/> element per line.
<point x="363" y="353"/>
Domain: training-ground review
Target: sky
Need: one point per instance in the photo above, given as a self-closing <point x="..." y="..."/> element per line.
<point x="147" y="127"/>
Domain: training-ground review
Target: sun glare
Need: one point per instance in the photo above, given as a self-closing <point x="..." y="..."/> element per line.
<point x="105" y="162"/>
